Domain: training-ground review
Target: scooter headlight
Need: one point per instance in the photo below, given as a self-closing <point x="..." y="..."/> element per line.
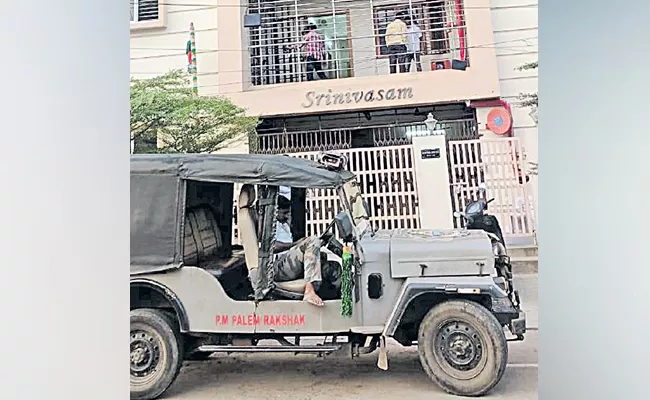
<point x="473" y="209"/>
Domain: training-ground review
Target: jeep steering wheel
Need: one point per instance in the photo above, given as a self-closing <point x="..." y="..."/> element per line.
<point x="330" y="242"/>
<point x="327" y="235"/>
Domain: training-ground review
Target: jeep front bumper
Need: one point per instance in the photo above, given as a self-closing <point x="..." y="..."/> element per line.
<point x="518" y="325"/>
<point x="508" y="311"/>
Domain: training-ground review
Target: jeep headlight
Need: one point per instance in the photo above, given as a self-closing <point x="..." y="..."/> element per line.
<point x="501" y="282"/>
<point x="498" y="249"/>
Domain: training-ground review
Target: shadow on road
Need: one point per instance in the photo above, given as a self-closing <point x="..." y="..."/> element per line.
<point x="303" y="377"/>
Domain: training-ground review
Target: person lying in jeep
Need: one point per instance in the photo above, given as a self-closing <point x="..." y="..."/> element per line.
<point x="295" y="259"/>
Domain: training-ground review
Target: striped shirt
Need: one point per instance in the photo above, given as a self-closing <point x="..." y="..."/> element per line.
<point x="315" y="46"/>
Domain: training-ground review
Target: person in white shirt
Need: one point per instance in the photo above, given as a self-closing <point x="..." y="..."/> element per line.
<point x="297" y="259"/>
<point x="413" y="36"/>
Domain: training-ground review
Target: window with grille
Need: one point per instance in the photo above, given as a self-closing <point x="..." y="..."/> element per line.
<point x="437" y="19"/>
<point x="353" y="32"/>
<point x="277" y="47"/>
<point x="144" y="10"/>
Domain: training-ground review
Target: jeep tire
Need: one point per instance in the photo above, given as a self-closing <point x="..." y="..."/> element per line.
<point x="156" y="353"/>
<point x="462" y="348"/>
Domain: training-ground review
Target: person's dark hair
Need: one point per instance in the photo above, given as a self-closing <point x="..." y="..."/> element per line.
<point x="401" y="15"/>
<point x="283" y="203"/>
<point x="311" y="27"/>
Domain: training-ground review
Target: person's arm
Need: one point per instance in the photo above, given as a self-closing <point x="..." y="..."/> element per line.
<point x="281" y="246"/>
<point x="300" y="45"/>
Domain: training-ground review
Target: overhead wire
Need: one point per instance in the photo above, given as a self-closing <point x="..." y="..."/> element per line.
<point x="349" y="6"/>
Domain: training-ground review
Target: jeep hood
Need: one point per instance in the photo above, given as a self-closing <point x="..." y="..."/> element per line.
<point x="427" y="252"/>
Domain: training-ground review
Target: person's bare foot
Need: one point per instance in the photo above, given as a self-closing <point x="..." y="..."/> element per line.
<point x="312" y="298"/>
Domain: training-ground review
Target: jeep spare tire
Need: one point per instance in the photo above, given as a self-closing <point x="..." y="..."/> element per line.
<point x="462" y="348"/>
<point x="156" y="356"/>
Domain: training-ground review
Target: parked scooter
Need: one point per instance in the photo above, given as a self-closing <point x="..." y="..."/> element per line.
<point x="476" y="217"/>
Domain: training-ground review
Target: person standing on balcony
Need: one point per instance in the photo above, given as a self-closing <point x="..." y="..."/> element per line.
<point x="396" y="39"/>
<point x="315" y="54"/>
<point x="414" y="36"/>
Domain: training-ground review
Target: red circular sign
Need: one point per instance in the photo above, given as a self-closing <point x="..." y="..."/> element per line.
<point x="499" y="121"/>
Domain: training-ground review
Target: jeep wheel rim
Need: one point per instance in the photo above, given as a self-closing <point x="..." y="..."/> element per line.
<point x="459" y="350"/>
<point x="145" y="355"/>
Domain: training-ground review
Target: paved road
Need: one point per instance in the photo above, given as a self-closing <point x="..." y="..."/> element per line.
<point x="305" y="377"/>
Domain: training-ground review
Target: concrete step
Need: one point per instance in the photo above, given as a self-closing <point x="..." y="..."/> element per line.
<point x="523" y="251"/>
<point x="524" y="265"/>
<point x="520" y="240"/>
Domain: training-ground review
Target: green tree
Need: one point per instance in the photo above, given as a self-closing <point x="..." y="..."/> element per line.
<point x="164" y="110"/>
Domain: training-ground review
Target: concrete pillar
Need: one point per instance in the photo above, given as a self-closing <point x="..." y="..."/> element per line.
<point x="234" y="67"/>
<point x="432" y="173"/>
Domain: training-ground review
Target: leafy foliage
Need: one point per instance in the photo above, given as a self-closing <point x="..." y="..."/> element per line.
<point x="164" y="109"/>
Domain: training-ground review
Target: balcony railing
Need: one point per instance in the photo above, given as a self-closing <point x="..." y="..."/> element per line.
<point x="377" y="136"/>
<point x="350" y="38"/>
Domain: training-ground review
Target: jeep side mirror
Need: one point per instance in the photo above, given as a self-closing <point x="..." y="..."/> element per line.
<point x="344" y="226"/>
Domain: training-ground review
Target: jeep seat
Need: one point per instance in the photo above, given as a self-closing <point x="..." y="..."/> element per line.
<point x="329" y="288"/>
<point x="297" y="286"/>
<point x="203" y="247"/>
<point x="247" y="226"/>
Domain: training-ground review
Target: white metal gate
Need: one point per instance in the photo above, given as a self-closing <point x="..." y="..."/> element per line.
<point x="388" y="184"/>
<point x="500" y="164"/>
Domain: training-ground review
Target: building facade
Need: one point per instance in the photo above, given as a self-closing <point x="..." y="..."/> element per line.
<point x="516" y="32"/>
<point x="332" y="89"/>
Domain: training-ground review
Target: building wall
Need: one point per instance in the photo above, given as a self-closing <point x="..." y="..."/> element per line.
<point x="223" y="65"/>
<point x="515" y="36"/>
<point x="479" y="81"/>
<point x="158" y="49"/>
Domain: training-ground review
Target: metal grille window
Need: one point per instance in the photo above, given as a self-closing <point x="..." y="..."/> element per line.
<point x="278" y="48"/>
<point x="434" y="18"/>
<point x="352" y="32"/>
<point x="144" y="10"/>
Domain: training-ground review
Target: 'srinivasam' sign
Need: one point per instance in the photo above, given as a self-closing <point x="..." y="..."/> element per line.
<point x="330" y="98"/>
